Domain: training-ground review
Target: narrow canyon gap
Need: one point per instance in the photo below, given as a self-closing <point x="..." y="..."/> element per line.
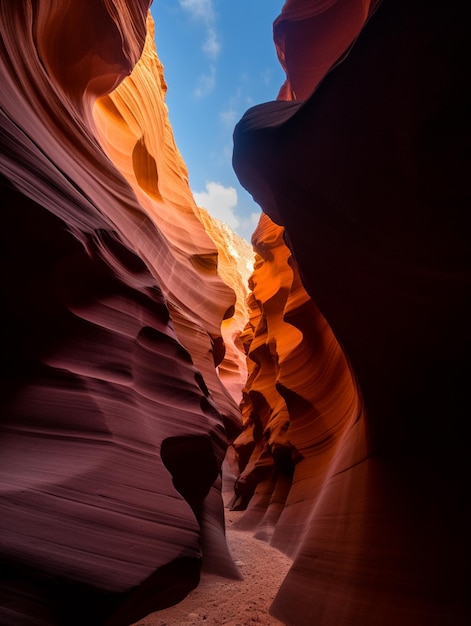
<point x="135" y="355"/>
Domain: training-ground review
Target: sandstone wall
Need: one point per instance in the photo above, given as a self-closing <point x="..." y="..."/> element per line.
<point x="114" y="422"/>
<point x="361" y="379"/>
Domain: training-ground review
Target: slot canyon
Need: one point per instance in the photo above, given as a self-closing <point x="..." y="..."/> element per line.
<point x="163" y="379"/>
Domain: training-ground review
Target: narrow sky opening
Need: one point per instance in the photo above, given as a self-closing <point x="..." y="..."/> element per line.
<point x="219" y="60"/>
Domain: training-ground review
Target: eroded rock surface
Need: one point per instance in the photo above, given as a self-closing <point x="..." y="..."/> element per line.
<point x="114" y="423"/>
<point x="363" y="170"/>
<point x="122" y="310"/>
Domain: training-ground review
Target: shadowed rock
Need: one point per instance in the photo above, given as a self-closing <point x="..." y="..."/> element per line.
<point x="368" y="178"/>
<point x="109" y="327"/>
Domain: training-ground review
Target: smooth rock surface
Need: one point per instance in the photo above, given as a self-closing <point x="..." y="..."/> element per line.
<point x="114" y="423"/>
<point x="368" y="178"/>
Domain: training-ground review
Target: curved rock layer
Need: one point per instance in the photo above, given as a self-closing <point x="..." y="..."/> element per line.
<point x="235" y="265"/>
<point x="133" y="128"/>
<point x="114" y="423"/>
<point x="310" y="36"/>
<point x="366" y="179"/>
<point x="299" y="402"/>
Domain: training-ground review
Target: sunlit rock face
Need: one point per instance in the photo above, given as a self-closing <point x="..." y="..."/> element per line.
<point x="366" y="180"/>
<point x="114" y="423"/>
<point x="133" y="127"/>
<point x="235" y="265"/>
<point x="299" y="399"/>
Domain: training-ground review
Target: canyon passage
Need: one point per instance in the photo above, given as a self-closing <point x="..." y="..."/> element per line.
<point x="163" y="377"/>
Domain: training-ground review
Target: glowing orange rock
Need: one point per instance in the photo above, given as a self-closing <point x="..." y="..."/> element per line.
<point x="263" y="407"/>
<point x="235" y="264"/>
<point x="111" y="442"/>
<point x="368" y="178"/>
<point x="134" y="129"/>
<point x="300" y="396"/>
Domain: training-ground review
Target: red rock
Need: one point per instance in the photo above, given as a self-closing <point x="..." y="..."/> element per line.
<point x="368" y="178"/>
<point x="114" y="423"/>
<point x="311" y="35"/>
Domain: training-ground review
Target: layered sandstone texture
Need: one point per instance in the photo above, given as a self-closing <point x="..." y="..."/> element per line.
<point x="354" y="451"/>
<point x="114" y="421"/>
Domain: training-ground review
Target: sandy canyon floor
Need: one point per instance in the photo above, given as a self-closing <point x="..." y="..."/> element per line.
<point x="220" y="601"/>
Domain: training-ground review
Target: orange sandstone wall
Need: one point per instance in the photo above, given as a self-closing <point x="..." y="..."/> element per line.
<point x="353" y="453"/>
<point x="114" y="423"/>
<point x="133" y="128"/>
<point x="235" y="265"/>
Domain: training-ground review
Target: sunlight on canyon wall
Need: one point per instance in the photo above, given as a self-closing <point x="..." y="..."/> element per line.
<point x="131" y="335"/>
<point x="134" y="130"/>
<point x="353" y="452"/>
<point x="118" y="313"/>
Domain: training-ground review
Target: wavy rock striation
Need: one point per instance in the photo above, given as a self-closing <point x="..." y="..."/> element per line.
<point x="114" y="423"/>
<point x="134" y="130"/>
<point x="235" y="265"/>
<point x="353" y="453"/>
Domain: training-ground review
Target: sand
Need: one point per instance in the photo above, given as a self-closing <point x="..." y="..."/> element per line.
<point x="220" y="601"/>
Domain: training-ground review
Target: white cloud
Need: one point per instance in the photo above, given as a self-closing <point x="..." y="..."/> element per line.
<point x="203" y="11"/>
<point x="220" y="202"/>
<point x="251" y="222"/>
<point x="229" y="117"/>
<point x="248" y="225"/>
<point x="266" y="75"/>
<point x="206" y="83"/>
<point x="211" y="46"/>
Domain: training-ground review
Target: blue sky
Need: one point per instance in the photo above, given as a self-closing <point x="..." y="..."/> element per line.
<point x="219" y="60"/>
